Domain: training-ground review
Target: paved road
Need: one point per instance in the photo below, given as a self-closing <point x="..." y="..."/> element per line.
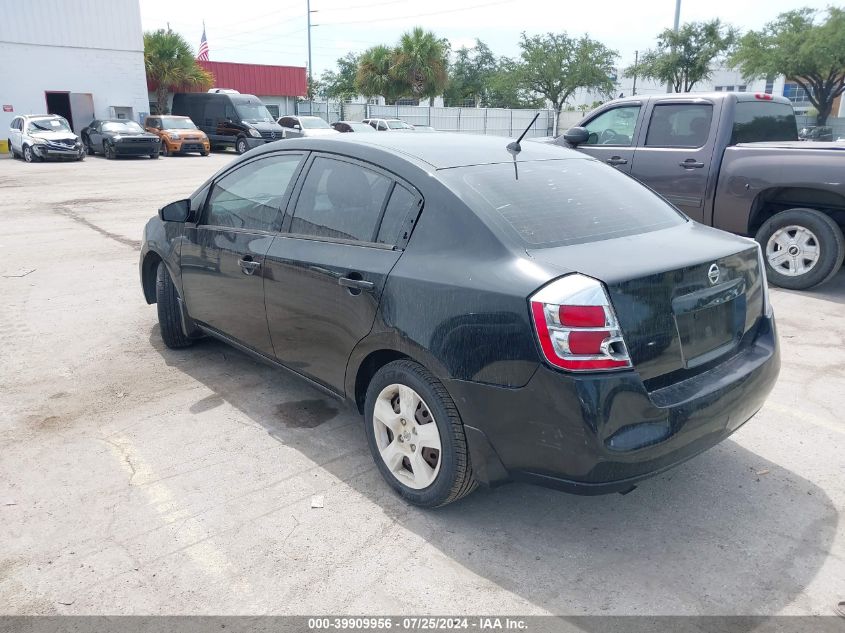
<point x="135" y="479"/>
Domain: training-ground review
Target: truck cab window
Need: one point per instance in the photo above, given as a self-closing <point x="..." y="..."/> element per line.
<point x="614" y="127"/>
<point x="679" y="125"/>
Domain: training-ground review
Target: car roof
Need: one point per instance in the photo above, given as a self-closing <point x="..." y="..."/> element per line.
<point x="711" y="96"/>
<point x="440" y="151"/>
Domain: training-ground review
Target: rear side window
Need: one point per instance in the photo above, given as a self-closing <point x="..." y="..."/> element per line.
<point x="679" y="125"/>
<point x="561" y="202"/>
<point x="250" y="197"/>
<point x="401" y="205"/>
<point x="340" y="200"/>
<point x="756" y="121"/>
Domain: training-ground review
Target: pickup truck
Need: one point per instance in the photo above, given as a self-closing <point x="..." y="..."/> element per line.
<point x="733" y="161"/>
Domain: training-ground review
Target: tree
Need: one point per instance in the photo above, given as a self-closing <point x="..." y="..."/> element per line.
<point x="340" y="84"/>
<point x="375" y="76"/>
<point x="809" y="53"/>
<point x="420" y="61"/>
<point x="506" y="88"/>
<point x="555" y="65"/>
<point x="686" y="57"/>
<point x="470" y="74"/>
<point x="171" y="65"/>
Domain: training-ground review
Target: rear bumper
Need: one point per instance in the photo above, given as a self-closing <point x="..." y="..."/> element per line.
<point x="603" y="433"/>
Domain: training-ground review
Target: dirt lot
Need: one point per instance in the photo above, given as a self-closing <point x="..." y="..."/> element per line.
<point x="136" y="480"/>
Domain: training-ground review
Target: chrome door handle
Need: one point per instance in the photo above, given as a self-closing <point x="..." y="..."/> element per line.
<point x="356" y="284"/>
<point x="691" y="163"/>
<point x="248" y="266"/>
<point x="616" y="160"/>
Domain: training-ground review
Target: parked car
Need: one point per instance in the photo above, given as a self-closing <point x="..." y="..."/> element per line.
<point x="488" y="327"/>
<point x="119" y="137"/>
<point x="299" y="126"/>
<point x="424" y="128"/>
<point x="229" y="119"/>
<point x="178" y="135"/>
<point x="732" y="160"/>
<point x="815" y="133"/>
<point x="389" y="125"/>
<point x="352" y="126"/>
<point x="35" y="137"/>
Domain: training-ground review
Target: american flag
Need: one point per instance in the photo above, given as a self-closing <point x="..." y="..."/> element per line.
<point x="203" y="52"/>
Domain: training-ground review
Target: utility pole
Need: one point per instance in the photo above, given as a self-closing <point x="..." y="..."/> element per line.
<point x="636" y="61"/>
<point x="669" y="86"/>
<point x="310" y="75"/>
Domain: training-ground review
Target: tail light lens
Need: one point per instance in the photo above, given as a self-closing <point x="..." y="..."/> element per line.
<point x="577" y="327"/>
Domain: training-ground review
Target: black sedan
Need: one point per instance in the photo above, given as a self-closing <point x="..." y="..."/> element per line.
<point x="119" y="137"/>
<point x="495" y="314"/>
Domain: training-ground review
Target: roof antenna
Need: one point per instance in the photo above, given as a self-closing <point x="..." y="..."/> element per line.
<point x="515" y="148"/>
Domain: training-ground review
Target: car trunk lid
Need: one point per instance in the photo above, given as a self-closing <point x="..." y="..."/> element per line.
<point x="685" y="297"/>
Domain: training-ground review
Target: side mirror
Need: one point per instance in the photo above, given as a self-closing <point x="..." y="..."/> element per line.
<point x="297" y="127"/>
<point x="576" y="135"/>
<point x="175" y="211"/>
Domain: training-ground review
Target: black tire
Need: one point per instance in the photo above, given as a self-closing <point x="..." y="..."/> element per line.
<point x="155" y="155"/>
<point x="108" y="151"/>
<point x="28" y="155"/>
<point x="829" y="240"/>
<point x="241" y="146"/>
<point x="169" y="315"/>
<point x="204" y="153"/>
<point x="12" y="153"/>
<point x="455" y="479"/>
<point x="81" y="157"/>
<point x="88" y="149"/>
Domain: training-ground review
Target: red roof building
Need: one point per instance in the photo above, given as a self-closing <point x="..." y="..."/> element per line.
<point x="276" y="86"/>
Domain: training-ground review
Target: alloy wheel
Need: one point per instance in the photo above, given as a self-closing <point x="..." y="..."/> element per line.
<point x="793" y="250"/>
<point x="407" y="436"/>
<point x="27" y="154"/>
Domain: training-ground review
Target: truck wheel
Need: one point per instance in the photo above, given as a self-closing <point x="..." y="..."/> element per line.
<point x="169" y="316"/>
<point x="241" y="146"/>
<point x="416" y="435"/>
<point x="802" y="248"/>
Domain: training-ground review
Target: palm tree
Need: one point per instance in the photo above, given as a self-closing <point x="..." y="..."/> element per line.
<point x="170" y="64"/>
<point x="421" y="61"/>
<point x="375" y="74"/>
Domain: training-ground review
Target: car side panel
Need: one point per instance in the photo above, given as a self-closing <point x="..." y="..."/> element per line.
<point x="749" y="170"/>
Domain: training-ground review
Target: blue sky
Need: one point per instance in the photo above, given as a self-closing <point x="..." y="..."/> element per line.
<point x="274" y="31"/>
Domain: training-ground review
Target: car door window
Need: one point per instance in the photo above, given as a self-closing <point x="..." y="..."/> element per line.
<point x="250" y="197"/>
<point x="614" y="127"/>
<point x="679" y="125"/>
<point x="401" y="205"/>
<point x="286" y="122"/>
<point x="382" y="126"/>
<point x="340" y="200"/>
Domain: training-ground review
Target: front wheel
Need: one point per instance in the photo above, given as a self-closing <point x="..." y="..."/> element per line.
<point x="155" y="155"/>
<point x="28" y="154"/>
<point x="109" y="151"/>
<point x="416" y="435"/>
<point x="241" y="146"/>
<point x="169" y="313"/>
<point x="802" y="248"/>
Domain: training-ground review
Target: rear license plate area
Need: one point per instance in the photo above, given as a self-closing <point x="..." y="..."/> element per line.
<point x="710" y="323"/>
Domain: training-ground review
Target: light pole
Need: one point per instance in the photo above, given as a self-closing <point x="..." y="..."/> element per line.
<point x="310" y="83"/>
<point x="677" y="25"/>
<point x="636" y="61"/>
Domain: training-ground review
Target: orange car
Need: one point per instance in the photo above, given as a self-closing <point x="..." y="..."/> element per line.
<point x="178" y="135"/>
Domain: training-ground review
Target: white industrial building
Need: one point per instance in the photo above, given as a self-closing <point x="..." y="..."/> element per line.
<point x="82" y="59"/>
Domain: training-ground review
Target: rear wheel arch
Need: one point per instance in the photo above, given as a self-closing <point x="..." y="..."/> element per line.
<point x="367" y="370"/>
<point x="772" y="201"/>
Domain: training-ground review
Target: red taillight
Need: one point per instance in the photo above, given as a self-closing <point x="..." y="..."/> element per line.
<point x="577" y="327"/>
<point x="763" y="96"/>
<point x="582" y="316"/>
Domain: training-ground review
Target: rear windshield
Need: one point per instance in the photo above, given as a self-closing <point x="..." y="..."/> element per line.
<point x="756" y="121"/>
<point x="560" y="202"/>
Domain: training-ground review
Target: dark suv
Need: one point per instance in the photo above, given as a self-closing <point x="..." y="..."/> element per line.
<point x="229" y="119"/>
<point x="495" y="314"/>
